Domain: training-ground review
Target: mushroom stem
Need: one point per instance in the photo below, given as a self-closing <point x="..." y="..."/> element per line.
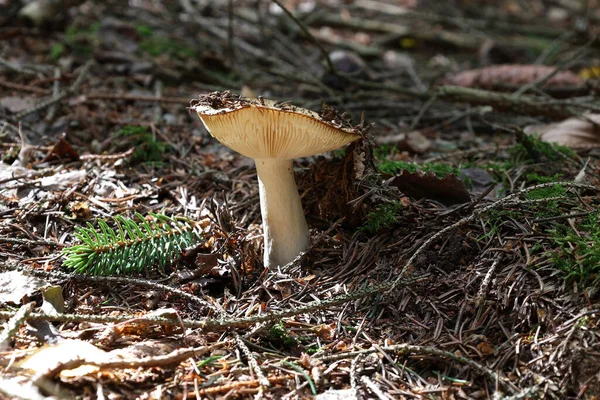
<point x="284" y="225"/>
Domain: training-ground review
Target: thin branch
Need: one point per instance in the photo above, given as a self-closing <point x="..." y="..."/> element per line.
<point x="174" y="357"/>
<point x="405" y="348"/>
<point x="309" y="36"/>
<point x="214" y="324"/>
<point x="13" y="325"/>
<point x="504" y="102"/>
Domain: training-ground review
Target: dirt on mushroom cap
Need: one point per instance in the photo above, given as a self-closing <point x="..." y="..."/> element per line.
<point x="226" y="101"/>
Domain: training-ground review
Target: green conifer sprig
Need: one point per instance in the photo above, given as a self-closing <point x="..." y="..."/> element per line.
<point x="133" y="246"/>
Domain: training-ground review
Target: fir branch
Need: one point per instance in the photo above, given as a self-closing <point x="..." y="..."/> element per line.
<point x="133" y="246"/>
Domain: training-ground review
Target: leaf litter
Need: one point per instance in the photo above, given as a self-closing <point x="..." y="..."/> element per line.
<point x="498" y="299"/>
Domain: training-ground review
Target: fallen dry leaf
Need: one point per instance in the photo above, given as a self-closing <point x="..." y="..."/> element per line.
<point x="46" y="358"/>
<point x="448" y="190"/>
<point x="485" y="348"/>
<point x="481" y="180"/>
<point x="61" y="150"/>
<point x="570" y="132"/>
<point x="513" y="75"/>
<point x="15" y="285"/>
<point x="81" y="210"/>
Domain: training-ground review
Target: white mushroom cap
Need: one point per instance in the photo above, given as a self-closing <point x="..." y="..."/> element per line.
<point x="263" y="129"/>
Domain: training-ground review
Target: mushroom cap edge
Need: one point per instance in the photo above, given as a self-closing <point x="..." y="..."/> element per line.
<point x="264" y="129"/>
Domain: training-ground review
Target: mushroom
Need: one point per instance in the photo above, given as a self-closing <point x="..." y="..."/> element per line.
<point x="273" y="135"/>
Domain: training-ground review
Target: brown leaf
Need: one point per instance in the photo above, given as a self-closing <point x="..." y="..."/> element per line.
<point x="570" y="132"/>
<point x="448" y="190"/>
<point x="513" y="75"/>
<point x="485" y="349"/>
<point x="61" y="149"/>
<point x="81" y="210"/>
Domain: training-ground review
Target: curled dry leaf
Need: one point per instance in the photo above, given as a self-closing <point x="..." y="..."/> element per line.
<point x="513" y="75"/>
<point x="485" y="349"/>
<point x="16" y="285"/>
<point x="48" y="357"/>
<point x="448" y="190"/>
<point x="61" y="150"/>
<point x="480" y="180"/>
<point x="570" y="132"/>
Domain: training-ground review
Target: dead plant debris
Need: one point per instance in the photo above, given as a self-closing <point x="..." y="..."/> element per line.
<point x="462" y="265"/>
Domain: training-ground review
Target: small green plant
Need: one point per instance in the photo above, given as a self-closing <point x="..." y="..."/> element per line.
<point x="157" y="45"/>
<point x="280" y="333"/>
<point x="147" y="149"/>
<point x="535" y="149"/>
<point x="144" y="30"/>
<point x="57" y="51"/>
<point x="495" y="220"/>
<point x="10" y="154"/>
<point x="339" y="153"/>
<point x="132" y="246"/>
<point x="498" y="167"/>
<point x="384" y="216"/>
<point x="384" y="151"/>
<point x="81" y="40"/>
<point x="208" y="361"/>
<point x="578" y="253"/>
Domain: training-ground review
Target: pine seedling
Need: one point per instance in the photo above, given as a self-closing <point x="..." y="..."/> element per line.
<point x="132" y="246"/>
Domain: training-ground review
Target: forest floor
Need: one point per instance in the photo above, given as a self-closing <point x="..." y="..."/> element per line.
<point x="455" y="247"/>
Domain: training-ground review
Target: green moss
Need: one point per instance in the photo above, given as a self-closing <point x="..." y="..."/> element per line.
<point x="535" y="178"/>
<point x="57" y="51"/>
<point x="144" y="30"/>
<point x="157" y="45"/>
<point x="147" y="149"/>
<point x="279" y="333"/>
<point x="534" y="149"/>
<point x="393" y="167"/>
<point x="439" y="169"/>
<point x="557" y="190"/>
<point x="82" y="40"/>
<point x="577" y="251"/>
<point x="132" y="130"/>
<point x="498" y="167"/>
<point x="339" y="153"/>
<point x="384" y="151"/>
<point x="384" y="216"/>
<point x="550" y="208"/>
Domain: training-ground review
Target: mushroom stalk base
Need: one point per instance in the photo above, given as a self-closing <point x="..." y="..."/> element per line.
<point x="284" y="224"/>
